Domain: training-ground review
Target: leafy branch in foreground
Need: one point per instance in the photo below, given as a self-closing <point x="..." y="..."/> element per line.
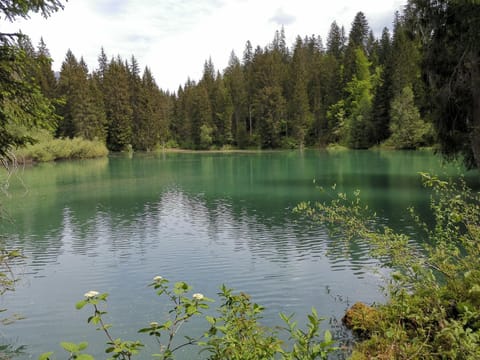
<point x="234" y="333"/>
<point x="434" y="306"/>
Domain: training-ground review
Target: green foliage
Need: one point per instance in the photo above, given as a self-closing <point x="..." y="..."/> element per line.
<point x="22" y="103"/>
<point x="82" y="108"/>
<point x="49" y="149"/>
<point x="206" y="138"/>
<point x="234" y="333"/>
<point x="408" y="130"/>
<point x="359" y="127"/>
<point x="450" y="37"/>
<point x="434" y="309"/>
<point x="21" y="8"/>
<point x="117" y="106"/>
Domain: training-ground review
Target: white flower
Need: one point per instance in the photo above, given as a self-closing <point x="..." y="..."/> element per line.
<point x="154" y="324"/>
<point x="157" y="278"/>
<point x="91" y="294"/>
<point x="198" y="296"/>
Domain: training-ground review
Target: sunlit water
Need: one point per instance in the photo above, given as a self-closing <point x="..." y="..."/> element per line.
<point x="111" y="225"/>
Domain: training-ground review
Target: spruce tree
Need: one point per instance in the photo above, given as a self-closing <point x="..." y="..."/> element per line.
<point x="235" y="83"/>
<point x="45" y="76"/>
<point x="357" y="39"/>
<point x="384" y="91"/>
<point x="359" y="104"/>
<point x="117" y="106"/>
<point x="300" y="115"/>
<point x="449" y="31"/>
<point x="83" y="112"/>
<point x="408" y="130"/>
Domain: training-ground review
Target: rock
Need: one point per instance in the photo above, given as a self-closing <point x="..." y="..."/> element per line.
<point x="360" y="318"/>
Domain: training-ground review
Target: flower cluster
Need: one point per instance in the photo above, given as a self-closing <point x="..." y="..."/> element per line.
<point x="91" y="294"/>
<point x="198" y="296"/>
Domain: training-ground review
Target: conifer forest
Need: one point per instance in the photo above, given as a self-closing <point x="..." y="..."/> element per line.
<point x="415" y="85"/>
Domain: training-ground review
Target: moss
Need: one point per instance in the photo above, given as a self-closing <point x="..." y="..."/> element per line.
<point x="361" y="318"/>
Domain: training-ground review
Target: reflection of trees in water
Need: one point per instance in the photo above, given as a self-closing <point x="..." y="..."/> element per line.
<point x="129" y="206"/>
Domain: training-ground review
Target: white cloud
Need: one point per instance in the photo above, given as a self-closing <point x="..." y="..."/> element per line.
<point x="174" y="37"/>
<point x="282" y="18"/>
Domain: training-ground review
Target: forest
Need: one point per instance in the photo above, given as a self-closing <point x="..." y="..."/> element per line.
<point x="416" y="85"/>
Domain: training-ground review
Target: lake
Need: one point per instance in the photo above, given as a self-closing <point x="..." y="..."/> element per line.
<point x="113" y="224"/>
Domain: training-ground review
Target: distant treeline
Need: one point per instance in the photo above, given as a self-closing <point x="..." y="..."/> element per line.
<point x="355" y="90"/>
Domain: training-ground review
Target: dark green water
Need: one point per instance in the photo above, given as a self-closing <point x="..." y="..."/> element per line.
<point x="111" y="225"/>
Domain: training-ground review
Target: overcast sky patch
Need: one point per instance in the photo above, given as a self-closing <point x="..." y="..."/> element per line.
<point x="110" y="7"/>
<point x="282" y="18"/>
<point x="175" y="37"/>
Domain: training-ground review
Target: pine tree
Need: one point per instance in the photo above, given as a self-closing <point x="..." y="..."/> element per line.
<point x="71" y="86"/>
<point x="45" y="76"/>
<point x="359" y="104"/>
<point x="139" y="141"/>
<point x="83" y="112"/>
<point x="450" y="37"/>
<point x="200" y="114"/>
<point x="102" y="63"/>
<point x="335" y="42"/>
<point x="236" y="86"/>
<point x="117" y="105"/>
<point x="357" y="38"/>
<point x="300" y="115"/>
<point x="224" y="115"/>
<point x="151" y="126"/>
<point x="315" y="90"/>
<point x="408" y="130"/>
<point x="269" y="104"/>
<point x="384" y="91"/>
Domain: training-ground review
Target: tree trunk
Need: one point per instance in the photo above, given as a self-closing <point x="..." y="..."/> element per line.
<point x="475" y="81"/>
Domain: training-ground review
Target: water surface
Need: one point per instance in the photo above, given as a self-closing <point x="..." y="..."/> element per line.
<point x="112" y="224"/>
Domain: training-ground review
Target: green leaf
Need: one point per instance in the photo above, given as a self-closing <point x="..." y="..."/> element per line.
<point x="85" y="357"/>
<point x="70" y="347"/>
<point x="328" y="336"/>
<point x="82" y="346"/>
<point x="45" y="356"/>
<point x="167" y="325"/>
<point x="79" y="305"/>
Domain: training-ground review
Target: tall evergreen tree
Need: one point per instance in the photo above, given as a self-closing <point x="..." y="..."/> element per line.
<point x="117" y="105"/>
<point x="136" y="91"/>
<point x="300" y="115"/>
<point x="359" y="104"/>
<point x="384" y="91"/>
<point x="408" y="130"/>
<point x="357" y="38"/>
<point x="200" y="114"/>
<point x="335" y="41"/>
<point x="269" y="104"/>
<point x="83" y="112"/>
<point x="45" y="76"/>
<point x="237" y="88"/>
<point x="151" y="126"/>
<point x="450" y="36"/>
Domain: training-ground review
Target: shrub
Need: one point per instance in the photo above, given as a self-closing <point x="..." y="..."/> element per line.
<point x="61" y="149"/>
<point x="235" y="333"/>
<point x="433" y="310"/>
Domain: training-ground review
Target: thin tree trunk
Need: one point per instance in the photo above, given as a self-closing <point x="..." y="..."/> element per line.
<point x="475" y="136"/>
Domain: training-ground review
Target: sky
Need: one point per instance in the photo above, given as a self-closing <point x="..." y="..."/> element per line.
<point x="175" y="37"/>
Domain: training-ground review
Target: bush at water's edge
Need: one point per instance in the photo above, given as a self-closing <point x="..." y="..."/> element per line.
<point x="50" y="149"/>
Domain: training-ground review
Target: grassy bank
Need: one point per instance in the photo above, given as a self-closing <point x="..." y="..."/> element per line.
<point x="49" y="149"/>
